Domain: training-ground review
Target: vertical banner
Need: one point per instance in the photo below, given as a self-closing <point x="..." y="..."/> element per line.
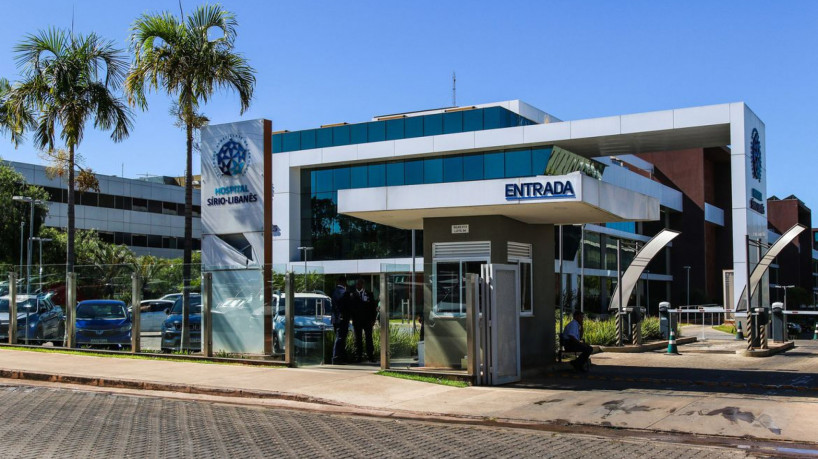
<point x="237" y="231"/>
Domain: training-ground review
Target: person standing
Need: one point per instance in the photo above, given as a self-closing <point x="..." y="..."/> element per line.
<point x="340" y="321"/>
<point x="364" y="311"/>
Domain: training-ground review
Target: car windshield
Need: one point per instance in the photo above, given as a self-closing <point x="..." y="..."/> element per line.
<point x="306" y="306"/>
<point x="29" y="304"/>
<point x="100" y="311"/>
<point x="195" y="305"/>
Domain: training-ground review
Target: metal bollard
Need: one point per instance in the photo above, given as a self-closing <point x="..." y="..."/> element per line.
<point x="384" y="324"/>
<point x="70" y="309"/>
<point x="136" y="313"/>
<point x="12" y="308"/>
<point x="289" y="310"/>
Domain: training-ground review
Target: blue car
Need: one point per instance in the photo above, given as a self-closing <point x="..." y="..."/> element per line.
<point x="103" y="323"/>
<point x="172" y="326"/>
<point x="38" y="319"/>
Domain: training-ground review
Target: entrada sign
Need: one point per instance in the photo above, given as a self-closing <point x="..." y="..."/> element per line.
<point x="539" y="190"/>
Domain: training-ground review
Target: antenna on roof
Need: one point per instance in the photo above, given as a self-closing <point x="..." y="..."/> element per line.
<point x="72" y="22"/>
<point x="181" y="11"/>
<point x="454" y="90"/>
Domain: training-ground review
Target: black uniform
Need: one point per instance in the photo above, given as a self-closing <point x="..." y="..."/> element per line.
<point x="340" y="323"/>
<point x="364" y="310"/>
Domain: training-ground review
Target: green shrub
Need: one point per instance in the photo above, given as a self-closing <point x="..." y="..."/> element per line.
<point x="603" y="332"/>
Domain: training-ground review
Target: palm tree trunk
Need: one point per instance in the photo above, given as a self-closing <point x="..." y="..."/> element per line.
<point x="187" y="257"/>
<point x="69" y="257"/>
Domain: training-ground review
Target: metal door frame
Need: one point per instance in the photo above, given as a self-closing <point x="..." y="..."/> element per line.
<point x="489" y="331"/>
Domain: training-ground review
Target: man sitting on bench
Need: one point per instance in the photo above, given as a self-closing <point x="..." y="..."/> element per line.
<point x="572" y="334"/>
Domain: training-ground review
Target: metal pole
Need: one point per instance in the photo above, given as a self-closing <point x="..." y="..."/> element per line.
<point x="207" y="322"/>
<point x="384" y="323"/>
<point x="582" y="269"/>
<point x="13" y="308"/>
<point x="688" y="284"/>
<point x="28" y="257"/>
<point x="22" y="232"/>
<point x="751" y="321"/>
<point x="136" y="320"/>
<point x="412" y="287"/>
<point x="621" y="338"/>
<point x="647" y="293"/>
<point x="289" y="310"/>
<point x="560" y="281"/>
<point x="472" y="321"/>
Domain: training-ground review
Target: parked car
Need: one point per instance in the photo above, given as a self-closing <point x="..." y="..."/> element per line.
<point x="172" y="326"/>
<point x="37" y="318"/>
<point x="103" y="323"/>
<point x="152" y="313"/>
<point x="312" y="320"/>
<point x="171" y="297"/>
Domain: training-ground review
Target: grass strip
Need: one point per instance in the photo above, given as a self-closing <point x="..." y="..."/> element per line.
<point x="424" y="378"/>
<point x="725" y="328"/>
<point x="117" y="356"/>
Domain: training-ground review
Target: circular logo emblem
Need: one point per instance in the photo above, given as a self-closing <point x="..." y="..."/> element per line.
<point x="755" y="154"/>
<point x="232" y="158"/>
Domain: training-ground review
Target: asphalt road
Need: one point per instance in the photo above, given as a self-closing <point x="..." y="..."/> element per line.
<point x="56" y="422"/>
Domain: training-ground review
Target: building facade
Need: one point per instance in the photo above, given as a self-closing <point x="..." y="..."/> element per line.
<point x="439" y="192"/>
<point x="147" y="215"/>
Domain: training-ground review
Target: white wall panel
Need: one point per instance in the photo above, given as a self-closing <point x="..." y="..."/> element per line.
<point x="596" y="127"/>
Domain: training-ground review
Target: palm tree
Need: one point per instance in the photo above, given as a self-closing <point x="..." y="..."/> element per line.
<point x="69" y="80"/>
<point x="179" y="57"/>
<point x="8" y="123"/>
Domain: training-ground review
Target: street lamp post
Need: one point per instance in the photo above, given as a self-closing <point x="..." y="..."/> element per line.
<point x="33" y="203"/>
<point x="647" y="293"/>
<point x="41" y="240"/>
<point x="785" y="287"/>
<point x="688" y="283"/>
<point x="22" y="229"/>
<point x="305" y="249"/>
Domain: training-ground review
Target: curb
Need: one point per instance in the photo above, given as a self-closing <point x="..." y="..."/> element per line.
<point x="729" y="384"/>
<point x="655" y="346"/>
<point x="159" y="386"/>
<point x="776" y="349"/>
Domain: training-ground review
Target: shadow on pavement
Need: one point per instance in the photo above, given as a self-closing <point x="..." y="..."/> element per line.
<point x="747" y="381"/>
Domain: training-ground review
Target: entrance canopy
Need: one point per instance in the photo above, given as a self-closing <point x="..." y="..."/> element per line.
<point x="566" y="199"/>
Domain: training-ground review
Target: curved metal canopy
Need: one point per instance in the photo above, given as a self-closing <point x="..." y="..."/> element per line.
<point x="638" y="265"/>
<point x="766" y="261"/>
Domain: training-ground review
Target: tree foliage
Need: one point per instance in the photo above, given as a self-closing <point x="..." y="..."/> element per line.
<point x="12" y="183"/>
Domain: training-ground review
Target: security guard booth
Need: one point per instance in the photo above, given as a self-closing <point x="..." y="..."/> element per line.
<point x="504" y="222"/>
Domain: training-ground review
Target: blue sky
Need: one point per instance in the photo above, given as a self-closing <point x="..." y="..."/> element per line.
<point x="327" y="62"/>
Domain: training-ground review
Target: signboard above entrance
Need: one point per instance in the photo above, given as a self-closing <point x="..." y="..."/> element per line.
<point x="548" y="189"/>
<point x="460" y="229"/>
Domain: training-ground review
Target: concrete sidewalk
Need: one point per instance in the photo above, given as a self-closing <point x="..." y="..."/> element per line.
<point x="724" y="414"/>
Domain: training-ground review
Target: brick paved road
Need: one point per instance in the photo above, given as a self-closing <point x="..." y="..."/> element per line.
<point x="50" y="422"/>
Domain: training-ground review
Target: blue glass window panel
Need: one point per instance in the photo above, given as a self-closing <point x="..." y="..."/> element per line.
<point x="493" y="117"/>
<point x="308" y="139"/>
<point x="628" y="227"/>
<point x="357" y="133"/>
<point x="494" y="165"/>
<point x="473" y="167"/>
<point x="518" y="163"/>
<point x="394" y="129"/>
<point x="453" y="168"/>
<point x="323" y="138"/>
<point x="313" y="181"/>
<point x="452" y="122"/>
<point x="292" y="141"/>
<point x="413" y="172"/>
<point x="473" y="120"/>
<point x="413" y="126"/>
<point x="340" y="135"/>
<point x="377" y="131"/>
<point x="394" y="174"/>
<point x="324" y="181"/>
<point x="277" y="141"/>
<point x="358" y="176"/>
<point x="342" y="179"/>
<point x="377" y="175"/>
<point x="539" y="160"/>
<point x="433" y="125"/>
<point x="433" y="170"/>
